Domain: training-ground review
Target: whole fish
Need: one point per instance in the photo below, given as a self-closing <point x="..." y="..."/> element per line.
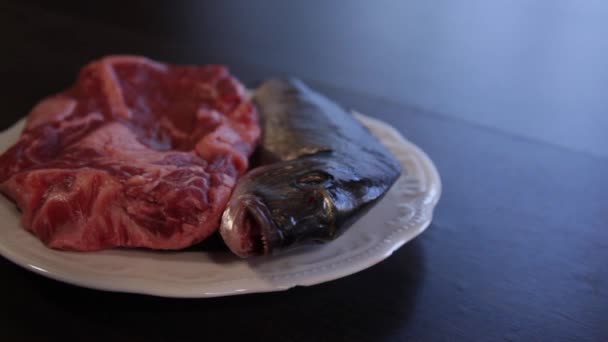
<point x="321" y="170"/>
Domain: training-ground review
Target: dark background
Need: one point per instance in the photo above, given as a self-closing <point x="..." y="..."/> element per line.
<point x="507" y="97"/>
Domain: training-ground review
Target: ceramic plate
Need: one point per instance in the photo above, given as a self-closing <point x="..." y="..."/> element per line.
<point x="403" y="213"/>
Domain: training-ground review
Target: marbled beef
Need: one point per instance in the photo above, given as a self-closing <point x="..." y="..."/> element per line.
<point x="136" y="153"/>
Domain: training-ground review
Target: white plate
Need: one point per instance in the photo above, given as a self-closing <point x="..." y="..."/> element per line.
<point x="403" y="213"/>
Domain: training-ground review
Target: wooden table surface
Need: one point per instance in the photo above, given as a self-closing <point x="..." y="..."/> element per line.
<point x="507" y="97"/>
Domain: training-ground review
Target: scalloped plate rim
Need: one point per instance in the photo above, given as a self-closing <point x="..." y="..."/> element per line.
<point x="262" y="283"/>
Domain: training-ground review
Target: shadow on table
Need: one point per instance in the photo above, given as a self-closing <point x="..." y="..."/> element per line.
<point x="370" y="305"/>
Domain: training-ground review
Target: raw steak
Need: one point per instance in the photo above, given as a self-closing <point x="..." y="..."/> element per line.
<point x="136" y="154"/>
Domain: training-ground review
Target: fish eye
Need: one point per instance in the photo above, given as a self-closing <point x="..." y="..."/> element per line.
<point x="313" y="179"/>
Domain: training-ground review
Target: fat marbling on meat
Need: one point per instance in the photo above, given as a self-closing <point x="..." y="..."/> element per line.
<point x="137" y="153"/>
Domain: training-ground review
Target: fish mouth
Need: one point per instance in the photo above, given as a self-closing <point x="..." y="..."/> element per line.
<point x="247" y="228"/>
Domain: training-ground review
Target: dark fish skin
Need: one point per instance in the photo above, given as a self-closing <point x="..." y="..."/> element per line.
<point x="321" y="171"/>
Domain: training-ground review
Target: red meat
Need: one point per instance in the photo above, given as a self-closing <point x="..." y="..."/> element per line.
<point x="136" y="154"/>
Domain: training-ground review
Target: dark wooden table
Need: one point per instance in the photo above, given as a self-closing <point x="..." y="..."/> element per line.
<point x="508" y="98"/>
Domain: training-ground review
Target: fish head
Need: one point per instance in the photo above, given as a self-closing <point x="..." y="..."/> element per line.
<point x="297" y="201"/>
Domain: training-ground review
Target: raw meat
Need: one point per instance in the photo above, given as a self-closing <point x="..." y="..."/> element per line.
<point x="136" y="154"/>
